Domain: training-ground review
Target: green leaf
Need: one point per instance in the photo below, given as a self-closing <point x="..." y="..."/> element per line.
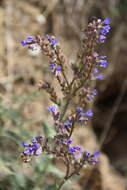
<point x="4" y="169"/>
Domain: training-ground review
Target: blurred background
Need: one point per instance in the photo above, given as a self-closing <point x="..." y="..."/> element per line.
<point x="23" y="108"/>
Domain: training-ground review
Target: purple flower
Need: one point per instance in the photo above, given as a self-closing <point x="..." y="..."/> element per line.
<point x="89" y="113"/>
<point x="52" y="108"/>
<point x="25" y="144"/>
<point x="105" y="30"/>
<point x="52" y="66"/>
<point x="53" y="41"/>
<point x="99" y="77"/>
<point x="34" y="140"/>
<point x="87" y="154"/>
<point x="91" y="158"/>
<point x="23" y="42"/>
<point x="47" y="36"/>
<point x="103" y="63"/>
<point x="69" y="141"/>
<point x="26" y="152"/>
<point x="27" y="41"/>
<point x="106" y="21"/>
<point x="94" y="92"/>
<point x="58" y="68"/>
<point x="33" y="148"/>
<point x="67" y="124"/>
<point x="77" y="148"/>
<point x="102" y="38"/>
<point x="102" y="57"/>
<point x="36" y="146"/>
<point x="89" y="97"/>
<point x="79" y="109"/>
<point x="95" y="153"/>
<point x="38" y="151"/>
<point x="71" y="149"/>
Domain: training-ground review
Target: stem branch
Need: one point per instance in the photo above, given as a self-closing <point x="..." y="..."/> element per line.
<point x="64" y="180"/>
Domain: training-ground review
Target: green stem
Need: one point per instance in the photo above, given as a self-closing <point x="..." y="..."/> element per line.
<point x="82" y="84"/>
<point x="65" y="78"/>
<point x="72" y="128"/>
<point x="65" y="109"/>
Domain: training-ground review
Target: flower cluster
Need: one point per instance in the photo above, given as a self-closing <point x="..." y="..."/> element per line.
<point x="34" y="148"/>
<point x="61" y="147"/>
<point x="29" y="40"/>
<point x="105" y="27"/>
<point x="74" y="108"/>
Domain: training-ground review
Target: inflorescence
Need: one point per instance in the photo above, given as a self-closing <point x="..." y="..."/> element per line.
<point x="78" y="94"/>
